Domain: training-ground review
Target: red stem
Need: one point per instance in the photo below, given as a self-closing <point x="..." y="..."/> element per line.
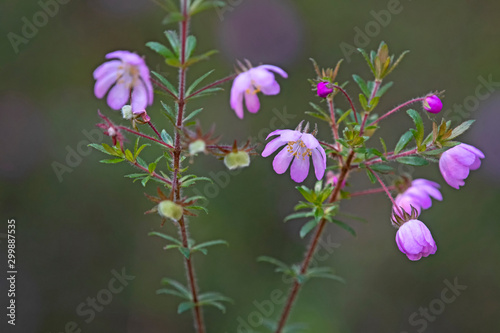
<point x="372" y="96"/>
<point x="154" y="174"/>
<point x="397" y="108"/>
<point x="211" y="85"/>
<point x="154" y="129"/>
<point x="312" y="247"/>
<point x="350" y="101"/>
<point x="386" y="190"/>
<point x="145" y="136"/>
<point x="370" y="191"/>
<point x="162" y="87"/>
<point x="181" y="103"/>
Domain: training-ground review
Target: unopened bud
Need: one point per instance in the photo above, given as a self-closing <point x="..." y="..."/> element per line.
<point x="170" y="209"/>
<point x="433" y="104"/>
<point x="323" y="89"/>
<point x="239" y="159"/>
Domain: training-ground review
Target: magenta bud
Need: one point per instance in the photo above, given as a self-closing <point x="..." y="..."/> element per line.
<point x="323" y="89"/>
<point x="433" y="104"/>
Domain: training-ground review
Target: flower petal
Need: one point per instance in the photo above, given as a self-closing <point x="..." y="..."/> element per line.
<point x="282" y="161"/>
<point x="103" y="84"/>
<point x="252" y="102"/>
<point x="126" y="56"/>
<point x="237" y="104"/>
<point x="271" y="89"/>
<point x="309" y="140"/>
<point x="272" y="146"/>
<point x="106" y="68"/>
<point x="139" y="98"/>
<point x="287" y="135"/>
<point x="461" y="155"/>
<point x="261" y="77"/>
<point x="300" y="169"/>
<point x="472" y="149"/>
<point x="319" y="164"/>
<point x="275" y="69"/>
<point x="118" y="96"/>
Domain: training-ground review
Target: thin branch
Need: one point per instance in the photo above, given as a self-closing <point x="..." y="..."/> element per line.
<point x="145" y="136"/>
<point x="371" y="191"/>
<point x="350" y="101"/>
<point x="162" y="87"/>
<point x="386" y="190"/>
<point x="397" y="108"/>
<point x="211" y="85"/>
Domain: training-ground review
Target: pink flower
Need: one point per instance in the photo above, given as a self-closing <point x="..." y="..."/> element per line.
<point x="128" y="74"/>
<point x="415" y="240"/>
<point x="299" y="146"/>
<point x="323" y="90"/>
<point x="456" y="162"/>
<point x="433" y="104"/>
<point x="418" y="195"/>
<point x="252" y="81"/>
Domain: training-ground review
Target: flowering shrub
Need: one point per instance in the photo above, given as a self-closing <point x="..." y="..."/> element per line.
<point x="350" y="150"/>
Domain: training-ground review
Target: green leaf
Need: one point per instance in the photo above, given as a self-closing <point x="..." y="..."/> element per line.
<point x="284" y="267"/>
<point x="129" y="156"/>
<point x="382" y="168"/>
<point x="213" y="296"/>
<point x="209" y="243"/>
<point x="164" y="236"/>
<point x="138" y="150"/>
<point x="193" y="86"/>
<point x="190" y="46"/>
<point x="363" y="102"/>
<point x="206" y="5"/>
<point x="460" y="129"/>
<point x="362" y="85"/>
<point x="177" y="285"/>
<point x="306" y="193"/>
<point x="308" y="227"/>
<point x="298" y="216"/>
<point x="185" y="252"/>
<point x="419" y="124"/>
<point x="344" y="116"/>
<point x="141" y="162"/>
<point x="145" y="180"/>
<point x="383" y="89"/>
<point x="184" y="306"/>
<point x="383" y="145"/>
<point x="171" y="292"/>
<point x="371" y="176"/>
<point x="203" y="56"/>
<point x="160" y="49"/>
<point x="174" y="41"/>
<point x="112" y="161"/>
<point x="165" y="82"/>
<point x="368" y="61"/>
<point x="166" y="137"/>
<point x="403" y="142"/>
<point x="412" y="160"/>
<point x="344" y="226"/>
<point x="173" y="17"/>
<point x="193" y="114"/>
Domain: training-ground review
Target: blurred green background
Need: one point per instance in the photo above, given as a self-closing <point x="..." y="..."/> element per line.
<point x="72" y="232"/>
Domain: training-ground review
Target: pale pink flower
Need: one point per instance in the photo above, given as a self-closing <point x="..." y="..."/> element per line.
<point x="415" y="240"/>
<point x="126" y="78"/>
<point x="456" y="162"/>
<point x="247" y="84"/>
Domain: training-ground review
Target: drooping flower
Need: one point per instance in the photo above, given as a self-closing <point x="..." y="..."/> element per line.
<point x="128" y="77"/>
<point x="433" y="104"/>
<point x="418" y="196"/>
<point x="248" y="83"/>
<point x="235" y="160"/>
<point x="323" y="89"/>
<point x="415" y="240"/>
<point x="456" y="162"/>
<point x="299" y="146"/>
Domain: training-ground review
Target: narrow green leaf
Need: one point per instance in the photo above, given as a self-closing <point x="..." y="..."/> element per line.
<point x="298" y="216"/>
<point x="368" y="61"/>
<point x="460" y="129"/>
<point x="190" y="46"/>
<point x="177" y="285"/>
<point x="384" y="89"/>
<point x="382" y="168"/>
<point x="210" y="243"/>
<point x="185" y="252"/>
<point x="345" y="226"/>
<point x="203" y="56"/>
<point x="173" y="38"/>
<point x="165" y="82"/>
<point x="193" y="114"/>
<point x="166" y="137"/>
<point x="419" y="124"/>
<point x="412" y="160"/>
<point x="403" y="142"/>
<point x="184" y="306"/>
<point x="171" y="292"/>
<point x="160" y="49"/>
<point x="193" y="86"/>
<point x="173" y="17"/>
<point x="112" y="161"/>
<point x="164" y="236"/>
<point x="371" y="176"/>
<point x="362" y="85"/>
<point x="306" y="228"/>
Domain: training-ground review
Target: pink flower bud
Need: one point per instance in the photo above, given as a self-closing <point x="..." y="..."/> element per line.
<point x="323" y="89"/>
<point x="433" y="104"/>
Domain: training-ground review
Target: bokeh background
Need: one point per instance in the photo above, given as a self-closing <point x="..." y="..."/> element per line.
<point x="74" y="231"/>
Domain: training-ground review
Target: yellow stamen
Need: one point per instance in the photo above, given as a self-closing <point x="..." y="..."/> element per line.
<point x="296" y="148"/>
